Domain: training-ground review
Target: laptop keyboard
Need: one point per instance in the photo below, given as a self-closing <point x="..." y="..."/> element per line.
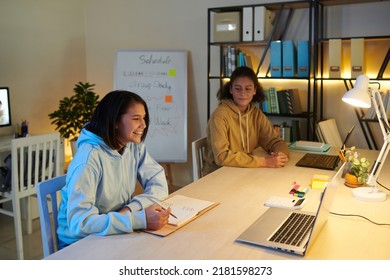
<point x="325" y="161"/>
<point x="328" y="162"/>
<point x="294" y="229"/>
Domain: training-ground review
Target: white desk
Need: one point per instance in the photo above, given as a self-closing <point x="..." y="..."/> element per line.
<point x="241" y="193"/>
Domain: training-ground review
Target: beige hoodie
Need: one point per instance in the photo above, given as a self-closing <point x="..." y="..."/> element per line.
<point x="232" y="137"/>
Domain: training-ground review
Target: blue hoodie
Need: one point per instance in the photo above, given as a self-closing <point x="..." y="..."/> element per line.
<point x="99" y="182"/>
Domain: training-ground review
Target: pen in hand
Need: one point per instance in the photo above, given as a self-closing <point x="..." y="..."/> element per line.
<point x="162" y="207"/>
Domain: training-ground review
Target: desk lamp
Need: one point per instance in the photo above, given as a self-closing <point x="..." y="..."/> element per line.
<point x="361" y="95"/>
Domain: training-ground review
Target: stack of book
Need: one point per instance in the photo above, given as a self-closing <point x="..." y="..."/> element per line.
<point x="234" y="57"/>
<point x="282" y="101"/>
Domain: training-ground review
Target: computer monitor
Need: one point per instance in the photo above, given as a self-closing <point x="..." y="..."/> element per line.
<point x="5" y="111"/>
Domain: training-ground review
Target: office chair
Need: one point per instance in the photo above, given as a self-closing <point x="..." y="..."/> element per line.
<point x="33" y="159"/>
<point x="47" y="192"/>
<point x="198" y="157"/>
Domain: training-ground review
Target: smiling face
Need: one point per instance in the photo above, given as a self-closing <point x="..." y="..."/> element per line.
<point x="243" y="90"/>
<point x="132" y="124"/>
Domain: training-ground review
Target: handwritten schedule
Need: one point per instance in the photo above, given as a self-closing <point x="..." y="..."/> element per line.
<point x="160" y="77"/>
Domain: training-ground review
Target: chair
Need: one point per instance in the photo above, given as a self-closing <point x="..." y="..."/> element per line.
<point x="198" y="156"/>
<point x="33" y="159"/>
<point x="329" y="133"/>
<point x="47" y="191"/>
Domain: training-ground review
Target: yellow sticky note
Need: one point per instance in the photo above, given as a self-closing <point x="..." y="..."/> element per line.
<point x="318" y="185"/>
<point x="172" y="72"/>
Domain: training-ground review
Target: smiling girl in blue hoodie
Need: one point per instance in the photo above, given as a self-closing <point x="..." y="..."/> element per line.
<point x="101" y="179"/>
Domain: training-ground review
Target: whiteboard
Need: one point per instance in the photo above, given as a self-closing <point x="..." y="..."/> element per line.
<point x="160" y="78"/>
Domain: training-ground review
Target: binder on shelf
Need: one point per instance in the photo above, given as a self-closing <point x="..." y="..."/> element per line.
<point x="334" y="57"/>
<point x="263" y="19"/>
<point x="357" y="57"/>
<point x="288" y="58"/>
<point x="276" y="59"/>
<point x="247" y="24"/>
<point x="303" y="59"/>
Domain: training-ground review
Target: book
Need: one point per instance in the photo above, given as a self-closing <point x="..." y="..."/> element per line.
<point x="321" y="148"/>
<point x="293" y="101"/>
<point x="285" y="132"/>
<point x="295" y="128"/>
<point x="283" y="106"/>
<point x="185" y="209"/>
<point x="273" y="101"/>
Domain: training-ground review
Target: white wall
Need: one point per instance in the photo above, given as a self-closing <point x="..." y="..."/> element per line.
<point x="49" y="45"/>
<point x="42" y="55"/>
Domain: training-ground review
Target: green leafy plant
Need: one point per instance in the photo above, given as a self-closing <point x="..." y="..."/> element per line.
<point x="357" y="166"/>
<point x="75" y="111"/>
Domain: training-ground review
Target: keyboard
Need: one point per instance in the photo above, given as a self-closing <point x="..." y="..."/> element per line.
<point x="294" y="229"/>
<point x="328" y="162"/>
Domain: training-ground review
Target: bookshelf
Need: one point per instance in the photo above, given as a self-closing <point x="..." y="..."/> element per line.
<point x="372" y="43"/>
<point x="256" y="51"/>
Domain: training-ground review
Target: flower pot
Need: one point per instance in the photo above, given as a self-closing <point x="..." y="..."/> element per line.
<point x="352" y="181"/>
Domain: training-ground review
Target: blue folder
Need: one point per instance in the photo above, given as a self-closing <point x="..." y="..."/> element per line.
<point x="288" y="59"/>
<point x="276" y="59"/>
<point x="303" y="59"/>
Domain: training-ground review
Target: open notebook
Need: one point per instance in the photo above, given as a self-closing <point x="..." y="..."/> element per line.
<point x="184" y="210"/>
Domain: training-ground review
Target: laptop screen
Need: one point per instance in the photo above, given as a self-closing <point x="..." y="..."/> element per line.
<point x="326" y="203"/>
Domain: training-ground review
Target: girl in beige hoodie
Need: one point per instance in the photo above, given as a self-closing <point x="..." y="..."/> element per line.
<point x="237" y="127"/>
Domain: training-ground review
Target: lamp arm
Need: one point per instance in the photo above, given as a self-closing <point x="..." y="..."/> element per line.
<point x="376" y="100"/>
<point x="382" y="119"/>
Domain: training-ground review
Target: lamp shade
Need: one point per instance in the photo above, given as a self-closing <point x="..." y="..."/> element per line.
<point x="359" y="95"/>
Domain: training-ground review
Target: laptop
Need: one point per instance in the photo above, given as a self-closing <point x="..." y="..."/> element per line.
<point x="263" y="231"/>
<point x="321" y="161"/>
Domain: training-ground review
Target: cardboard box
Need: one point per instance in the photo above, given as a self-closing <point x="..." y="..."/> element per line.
<point x="227" y="27"/>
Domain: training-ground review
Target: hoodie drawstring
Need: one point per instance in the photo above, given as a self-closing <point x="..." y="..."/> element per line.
<point x="242" y="135"/>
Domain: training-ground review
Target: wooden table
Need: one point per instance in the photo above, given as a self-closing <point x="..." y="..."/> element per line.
<point x="241" y="193"/>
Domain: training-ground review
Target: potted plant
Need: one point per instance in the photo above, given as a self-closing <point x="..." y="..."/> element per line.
<point x="357" y="168"/>
<point x="74" y="111"/>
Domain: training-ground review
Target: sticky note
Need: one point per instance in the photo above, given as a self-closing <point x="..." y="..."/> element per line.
<point x="172" y="72"/>
<point x="318" y="185"/>
<point x="168" y="98"/>
<point x="319" y="182"/>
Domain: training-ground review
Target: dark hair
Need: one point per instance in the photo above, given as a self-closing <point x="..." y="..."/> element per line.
<point x="243" y="71"/>
<point x="108" y="114"/>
